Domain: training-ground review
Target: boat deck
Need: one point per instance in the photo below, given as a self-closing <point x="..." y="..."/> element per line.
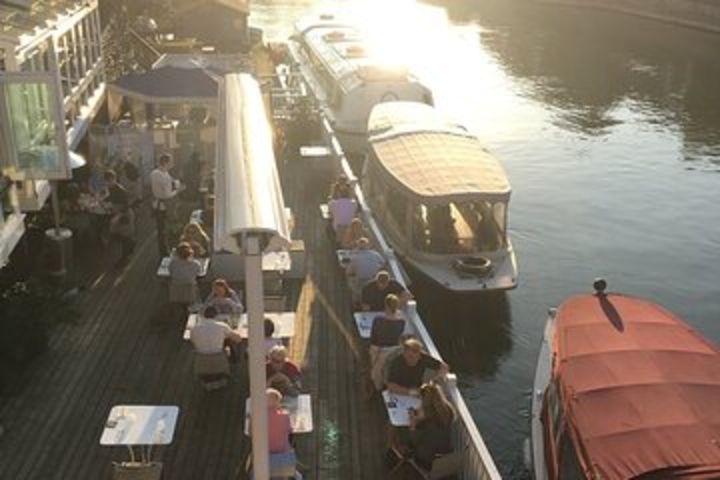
<point x="127" y="348"/>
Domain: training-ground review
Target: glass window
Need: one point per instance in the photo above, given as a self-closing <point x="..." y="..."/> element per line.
<point x="459" y="227"/>
<point x="31" y="117"/>
<point x="397" y="210"/>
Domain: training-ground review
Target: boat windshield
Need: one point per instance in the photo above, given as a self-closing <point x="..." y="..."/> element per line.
<point x="459" y="227"/>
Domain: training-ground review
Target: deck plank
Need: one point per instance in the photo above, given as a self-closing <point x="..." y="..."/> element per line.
<point x="126" y="348"/>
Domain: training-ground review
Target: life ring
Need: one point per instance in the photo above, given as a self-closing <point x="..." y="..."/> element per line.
<point x="476" y="265"/>
<point x="389" y="97"/>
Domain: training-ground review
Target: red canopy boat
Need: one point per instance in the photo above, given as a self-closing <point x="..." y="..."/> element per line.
<point x="628" y="390"/>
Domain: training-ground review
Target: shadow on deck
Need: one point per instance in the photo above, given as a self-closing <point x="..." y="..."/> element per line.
<point x="127" y="348"/>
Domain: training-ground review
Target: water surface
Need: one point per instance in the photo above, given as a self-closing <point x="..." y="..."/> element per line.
<point x="609" y="128"/>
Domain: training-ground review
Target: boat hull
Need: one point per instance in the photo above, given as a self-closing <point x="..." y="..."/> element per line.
<point x="441" y="272"/>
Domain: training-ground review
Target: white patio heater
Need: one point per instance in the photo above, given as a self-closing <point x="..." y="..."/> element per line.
<point x="249" y="220"/>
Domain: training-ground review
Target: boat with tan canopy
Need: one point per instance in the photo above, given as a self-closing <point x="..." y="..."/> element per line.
<point x="440" y="197"/>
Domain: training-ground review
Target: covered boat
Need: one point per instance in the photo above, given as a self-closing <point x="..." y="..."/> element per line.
<point x="440" y="197"/>
<point x="624" y="389"/>
<point x="346" y="79"/>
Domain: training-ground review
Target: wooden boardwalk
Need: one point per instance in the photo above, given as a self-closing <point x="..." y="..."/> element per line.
<point x="126" y="348"/>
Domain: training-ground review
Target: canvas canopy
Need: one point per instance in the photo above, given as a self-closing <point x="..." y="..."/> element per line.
<point x="430" y="156"/>
<point x="639" y="387"/>
<point x="247" y="186"/>
<point x="169" y="84"/>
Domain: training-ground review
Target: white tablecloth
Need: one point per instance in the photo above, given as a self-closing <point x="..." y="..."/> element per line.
<point x="140" y="425"/>
<point x="284" y="324"/>
<point x="398" y="407"/>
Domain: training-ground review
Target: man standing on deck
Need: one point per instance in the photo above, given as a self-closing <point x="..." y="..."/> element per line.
<point x="163" y="190"/>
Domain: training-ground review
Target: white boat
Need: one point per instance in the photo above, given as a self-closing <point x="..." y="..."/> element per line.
<point x="440" y="198"/>
<point x="624" y="389"/>
<point x="345" y="79"/>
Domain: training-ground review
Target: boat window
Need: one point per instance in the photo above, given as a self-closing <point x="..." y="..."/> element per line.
<point x="397" y="210"/>
<point x="459" y="227"/>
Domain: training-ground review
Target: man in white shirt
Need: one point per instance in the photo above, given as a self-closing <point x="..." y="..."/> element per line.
<point x="163" y="189"/>
<point x="210" y="335"/>
<point x="364" y="265"/>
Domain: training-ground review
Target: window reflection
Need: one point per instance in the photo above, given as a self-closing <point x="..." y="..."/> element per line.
<point x="32" y="127"/>
<point x="459" y="227"/>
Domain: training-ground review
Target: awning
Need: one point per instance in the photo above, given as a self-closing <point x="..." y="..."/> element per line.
<point x="169" y="85"/>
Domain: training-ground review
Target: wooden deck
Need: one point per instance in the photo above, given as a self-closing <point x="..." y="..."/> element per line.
<point x="127" y="348"/>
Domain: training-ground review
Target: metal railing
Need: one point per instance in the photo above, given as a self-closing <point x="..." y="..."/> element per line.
<point x="478" y="462"/>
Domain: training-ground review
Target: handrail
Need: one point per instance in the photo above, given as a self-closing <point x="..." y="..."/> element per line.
<point x="479" y="463"/>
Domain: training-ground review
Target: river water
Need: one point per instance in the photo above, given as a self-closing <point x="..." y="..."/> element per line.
<point x="609" y="129"/>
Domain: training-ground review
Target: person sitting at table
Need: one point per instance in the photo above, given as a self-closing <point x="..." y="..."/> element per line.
<point x="354" y="233"/>
<point x="278" y="420"/>
<point x="197" y="238"/>
<point x="430" y="431"/>
<point x="374" y="292"/>
<point x="339" y="186"/>
<point x="225" y="300"/>
<point x="384" y="336"/>
<point x="342" y="211"/>
<point x="184" y="270"/>
<point x="210" y="335"/>
<point x="364" y="265"/>
<point x="408" y="369"/>
<point x="270" y="342"/>
<point x="281" y="373"/>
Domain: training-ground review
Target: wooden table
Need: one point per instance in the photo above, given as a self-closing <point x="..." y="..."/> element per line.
<point x="398" y="407"/>
<point x="299" y="408"/>
<point x="163" y="270"/>
<point x="140" y="425"/>
<point x="284" y="324"/>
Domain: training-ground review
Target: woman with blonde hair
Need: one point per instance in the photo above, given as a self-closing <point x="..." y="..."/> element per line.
<point x="384" y="336"/>
<point x="197" y="238"/>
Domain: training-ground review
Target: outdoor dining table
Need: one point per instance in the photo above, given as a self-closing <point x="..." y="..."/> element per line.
<point x="299" y="408"/>
<point x="398" y="407"/>
<point x="140" y="425"/>
<point x="284" y="324"/>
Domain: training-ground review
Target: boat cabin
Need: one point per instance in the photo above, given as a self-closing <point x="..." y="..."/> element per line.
<point x="347" y="79"/>
<point x="632" y="393"/>
<point x="439" y="194"/>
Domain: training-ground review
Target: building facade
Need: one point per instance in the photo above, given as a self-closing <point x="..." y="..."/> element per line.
<point x="52" y="85"/>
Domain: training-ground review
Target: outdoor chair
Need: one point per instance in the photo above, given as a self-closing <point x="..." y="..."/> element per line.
<point x="444" y="466"/>
<point x="213" y="369"/>
<point x="137" y="471"/>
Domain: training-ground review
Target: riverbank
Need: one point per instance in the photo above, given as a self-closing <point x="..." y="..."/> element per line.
<point x="701" y="14"/>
